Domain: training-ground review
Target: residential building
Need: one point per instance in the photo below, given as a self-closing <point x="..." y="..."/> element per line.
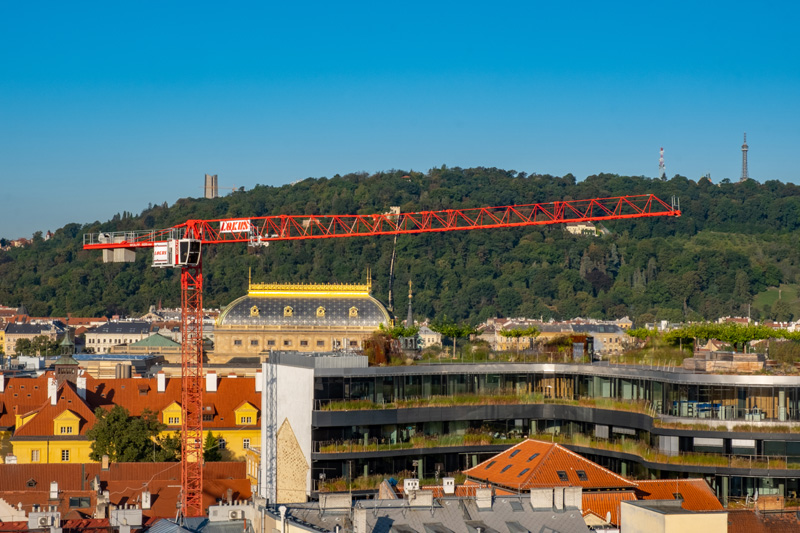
<point x="101" y="338"/>
<point x="96" y="491"/>
<point x="17" y="331"/>
<point x="340" y="418"/>
<point x="302" y="317"/>
<point x="428" y="337"/>
<point x="419" y="511"/>
<point x="668" y="516"/>
<point x="45" y="419"/>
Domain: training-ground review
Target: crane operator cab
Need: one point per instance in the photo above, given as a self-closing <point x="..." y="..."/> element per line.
<point x="177" y="253"/>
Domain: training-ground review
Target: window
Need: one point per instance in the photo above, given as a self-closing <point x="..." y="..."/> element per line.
<point x="287" y="343"/>
<point x="208" y="417"/>
<point x="247" y="420"/>
<point x="221" y="443"/>
<point x="515" y="452"/>
<point x="174" y="421"/>
<point x="320" y="343"/>
<point x="354" y="343"/>
<point x="532" y="457"/>
<point x="34" y="456"/>
<point x="66" y="429"/>
<point x="505" y="468"/>
<point x="303" y="343"/>
<point x="254" y="342"/>
<point x="490" y="465"/>
<point x="582" y="475"/>
<point x="237" y="342"/>
<point x="246" y="443"/>
<point x="562" y="475"/>
<point x="64" y="455"/>
<point x="271" y="342"/>
<point x="79" y="503"/>
<point x="31" y="483"/>
<point x="523" y="472"/>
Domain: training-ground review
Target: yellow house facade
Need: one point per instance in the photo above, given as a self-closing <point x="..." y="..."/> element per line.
<point x="54" y="430"/>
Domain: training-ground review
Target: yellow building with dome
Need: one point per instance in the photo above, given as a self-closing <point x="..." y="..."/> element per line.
<point x="297" y="316"/>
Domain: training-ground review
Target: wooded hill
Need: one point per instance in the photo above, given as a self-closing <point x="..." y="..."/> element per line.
<point x="733" y="241"/>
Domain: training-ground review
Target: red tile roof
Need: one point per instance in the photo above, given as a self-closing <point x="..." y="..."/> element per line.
<point x="748" y="521"/>
<point x="533" y="463"/>
<point x="603" y="502"/>
<point x="135" y="394"/>
<point x="697" y="494"/>
<point x="42" y="422"/>
<point x="124" y="481"/>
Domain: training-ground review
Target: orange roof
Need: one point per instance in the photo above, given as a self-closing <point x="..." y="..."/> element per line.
<point x="603" y="502"/>
<point x="26" y="395"/>
<point x="534" y="463"/>
<point x="461" y="491"/>
<point x="748" y="521"/>
<point x="697" y="495"/>
<point x="42" y="423"/>
<point x="124" y="481"/>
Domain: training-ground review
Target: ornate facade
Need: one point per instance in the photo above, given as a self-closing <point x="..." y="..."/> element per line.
<point x="302" y="317"/>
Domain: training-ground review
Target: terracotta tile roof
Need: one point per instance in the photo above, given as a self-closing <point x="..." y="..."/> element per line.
<point x="748" y="521"/>
<point x="124" y="481"/>
<point x="697" y="494"/>
<point x="461" y="491"/>
<point x="135" y="394"/>
<point x="603" y="502"/>
<point x="533" y="463"/>
<point x="42" y="423"/>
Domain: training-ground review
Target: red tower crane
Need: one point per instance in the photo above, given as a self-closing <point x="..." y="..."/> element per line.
<point x="181" y="247"/>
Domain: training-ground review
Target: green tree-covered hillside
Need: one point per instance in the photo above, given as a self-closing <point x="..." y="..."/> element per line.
<point x="732" y="242"/>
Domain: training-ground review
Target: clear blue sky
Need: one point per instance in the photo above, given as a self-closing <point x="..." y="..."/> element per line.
<point x="107" y="106"/>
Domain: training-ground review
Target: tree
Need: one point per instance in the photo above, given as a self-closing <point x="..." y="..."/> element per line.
<point x="451" y="329"/>
<point x="23" y="347"/>
<point x="399" y="330"/>
<point x="530" y="332"/>
<point x="211" y="451"/>
<point x="125" y="438"/>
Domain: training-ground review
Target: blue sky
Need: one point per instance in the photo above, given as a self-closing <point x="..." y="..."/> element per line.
<point x="108" y="106"/>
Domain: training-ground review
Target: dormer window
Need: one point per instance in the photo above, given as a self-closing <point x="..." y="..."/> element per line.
<point x="288" y="311"/>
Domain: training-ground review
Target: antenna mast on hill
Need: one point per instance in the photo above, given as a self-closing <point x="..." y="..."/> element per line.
<point x="744" y="177"/>
<point x="662" y="170"/>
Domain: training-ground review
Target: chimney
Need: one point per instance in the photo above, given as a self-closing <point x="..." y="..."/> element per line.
<point x="146" y="500"/>
<point x="52" y="391"/>
<point x="211" y="381"/>
<point x="3" y="382"/>
<point x="259" y="382"/>
<point x="449" y="485"/>
<point x="229" y="496"/>
<point x="410" y="485"/>
<point x="483" y="498"/>
<point x="54" y="490"/>
<point x="11" y="459"/>
<point x="80" y="384"/>
<point x="573" y="497"/>
<point x="558" y="498"/>
<point x="104" y="463"/>
<point x="542" y="499"/>
<point x="360" y="520"/>
<point x="162" y="381"/>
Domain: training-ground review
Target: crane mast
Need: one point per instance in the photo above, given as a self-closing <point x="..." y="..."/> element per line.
<point x="181" y="247"/>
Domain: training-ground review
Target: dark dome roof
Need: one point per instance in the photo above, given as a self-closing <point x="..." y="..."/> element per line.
<point x="270" y="310"/>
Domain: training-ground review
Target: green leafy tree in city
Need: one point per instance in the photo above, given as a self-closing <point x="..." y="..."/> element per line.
<point x="125" y="438"/>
